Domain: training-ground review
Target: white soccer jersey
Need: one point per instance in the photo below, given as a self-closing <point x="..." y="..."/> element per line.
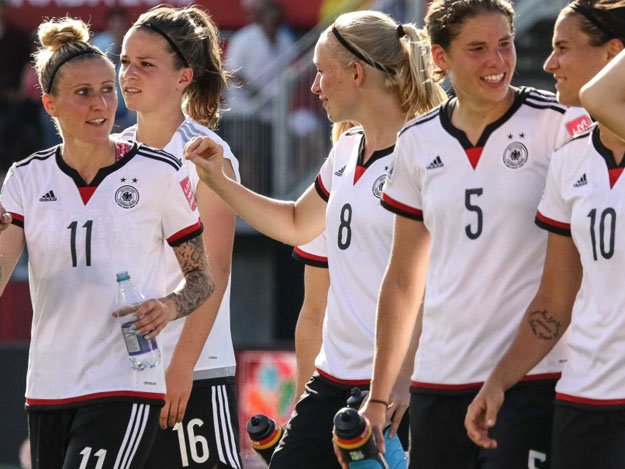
<point x="78" y="237"/>
<point x="585" y="198"/>
<point x="486" y="255"/>
<point x="313" y="253"/>
<point x="359" y="233"/>
<point x="217" y="357"/>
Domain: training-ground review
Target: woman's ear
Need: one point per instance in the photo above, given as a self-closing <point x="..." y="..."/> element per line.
<point x="48" y="104"/>
<point x="439" y="57"/>
<point x="186" y="78"/>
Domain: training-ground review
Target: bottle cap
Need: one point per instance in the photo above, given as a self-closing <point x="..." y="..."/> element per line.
<point x="121" y="276"/>
<point x="356" y="397"/>
<point x="348" y="423"/>
<point x="259" y="427"/>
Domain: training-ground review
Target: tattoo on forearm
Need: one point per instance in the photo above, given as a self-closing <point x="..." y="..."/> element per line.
<point x="199" y="284"/>
<point x="544" y="326"/>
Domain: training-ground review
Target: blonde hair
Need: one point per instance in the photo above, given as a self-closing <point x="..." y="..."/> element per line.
<point x="62" y="40"/>
<point x="195" y="38"/>
<point x="401" y="52"/>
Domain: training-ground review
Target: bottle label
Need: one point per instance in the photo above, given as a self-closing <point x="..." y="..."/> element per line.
<point x="136" y="343"/>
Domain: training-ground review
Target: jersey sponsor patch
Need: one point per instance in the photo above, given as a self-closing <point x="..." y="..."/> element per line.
<point x="188" y="192"/>
<point x="578" y="125"/>
<point x="515" y="155"/>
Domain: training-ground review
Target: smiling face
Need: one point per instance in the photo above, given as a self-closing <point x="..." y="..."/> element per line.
<point x="573" y="61"/>
<point x="481" y="59"/>
<point x="147" y="76"/>
<point x="331" y="83"/>
<point x="85" y="100"/>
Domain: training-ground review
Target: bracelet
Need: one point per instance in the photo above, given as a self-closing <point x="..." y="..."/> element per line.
<point x="379" y="401"/>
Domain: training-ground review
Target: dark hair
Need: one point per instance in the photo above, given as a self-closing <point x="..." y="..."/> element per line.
<point x="400" y="52"/>
<point x="444" y="18"/>
<point x="601" y="20"/>
<point x="62" y="40"/>
<point x="193" y="40"/>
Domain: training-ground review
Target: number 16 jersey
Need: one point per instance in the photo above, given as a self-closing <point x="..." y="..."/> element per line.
<point x="486" y="257"/>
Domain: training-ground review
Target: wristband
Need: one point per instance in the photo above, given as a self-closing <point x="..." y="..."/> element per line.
<point x="379" y="401"/>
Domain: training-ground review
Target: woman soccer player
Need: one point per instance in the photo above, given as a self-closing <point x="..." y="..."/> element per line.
<point x="582" y="210"/>
<point x="466" y="182"/>
<point x="87" y="209"/>
<point x="375" y="72"/>
<point x="171" y="74"/>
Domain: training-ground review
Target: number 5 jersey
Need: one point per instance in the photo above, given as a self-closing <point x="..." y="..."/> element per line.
<point x="486" y="256"/>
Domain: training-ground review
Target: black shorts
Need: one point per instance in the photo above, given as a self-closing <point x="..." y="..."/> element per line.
<point x="523" y="430"/>
<point x="116" y="435"/>
<point x="307" y="440"/>
<point x="209" y="433"/>
<point x="585" y="438"/>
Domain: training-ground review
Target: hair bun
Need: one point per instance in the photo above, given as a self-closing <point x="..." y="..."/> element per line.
<point x="55" y="33"/>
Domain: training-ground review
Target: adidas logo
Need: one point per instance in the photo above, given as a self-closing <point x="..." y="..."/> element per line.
<point x="435" y="164"/>
<point x="340" y="172"/>
<point x="48" y="197"/>
<point x="581" y="181"/>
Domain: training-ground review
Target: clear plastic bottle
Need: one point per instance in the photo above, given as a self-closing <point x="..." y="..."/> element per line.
<point x="142" y="352"/>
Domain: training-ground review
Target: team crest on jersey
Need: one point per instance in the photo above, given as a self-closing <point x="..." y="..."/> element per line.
<point x="515" y="155"/>
<point x="127" y="197"/>
<point x="378" y="186"/>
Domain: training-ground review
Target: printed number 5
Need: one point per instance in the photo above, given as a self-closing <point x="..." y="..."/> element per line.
<point x="468" y="229"/>
<point x="534" y="457"/>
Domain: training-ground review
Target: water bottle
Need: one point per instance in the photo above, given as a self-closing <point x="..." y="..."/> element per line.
<point x="264" y="434"/>
<point x="356" y="396"/>
<point x="142" y="352"/>
<point x="355" y="440"/>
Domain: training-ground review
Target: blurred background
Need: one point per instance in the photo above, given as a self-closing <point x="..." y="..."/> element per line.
<point x="277" y="130"/>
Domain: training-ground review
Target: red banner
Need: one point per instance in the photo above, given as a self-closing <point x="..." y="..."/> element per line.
<point x="226" y="13"/>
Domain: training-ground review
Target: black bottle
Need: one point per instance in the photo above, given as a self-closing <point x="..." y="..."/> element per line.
<point x="264" y="434"/>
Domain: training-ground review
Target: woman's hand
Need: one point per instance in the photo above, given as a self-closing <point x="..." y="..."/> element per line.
<point x="5" y="219"/>
<point x="208" y="157"/>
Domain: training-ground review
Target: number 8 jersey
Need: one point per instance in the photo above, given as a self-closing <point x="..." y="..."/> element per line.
<point x="486" y="254"/>
<point x="78" y="237"/>
<point x="585" y="198"/>
<point x="358" y="240"/>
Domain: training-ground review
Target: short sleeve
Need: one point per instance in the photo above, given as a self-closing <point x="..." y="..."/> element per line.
<point x="11" y="196"/>
<point x="575" y="120"/>
<point x="181" y="221"/>
<point x="313" y="253"/>
<point x="323" y="181"/>
<point x="553" y="214"/>
<point x="402" y="189"/>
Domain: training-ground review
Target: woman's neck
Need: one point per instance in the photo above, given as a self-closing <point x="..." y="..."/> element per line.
<point x="381" y="125"/>
<point x="472" y="116"/>
<point x="88" y="158"/>
<point x="613" y="143"/>
<point x="157" y="129"/>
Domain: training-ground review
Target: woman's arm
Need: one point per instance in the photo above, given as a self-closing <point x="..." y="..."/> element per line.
<point x="604" y="95"/>
<point x="545" y="321"/>
<point x="197" y="327"/>
<point x="294" y="223"/>
<point x="398" y="306"/>
<point x="310" y="323"/>
<point x="11" y="246"/>
<point x="154" y="314"/>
